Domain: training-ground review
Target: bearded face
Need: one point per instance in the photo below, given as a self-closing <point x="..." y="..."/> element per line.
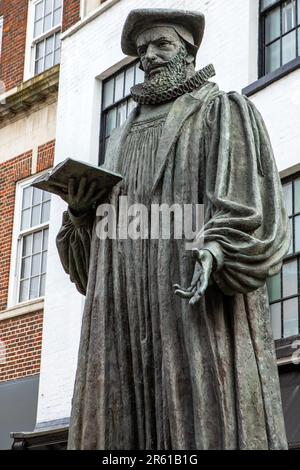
<point x="169" y="75"/>
<point x="166" y="63"/>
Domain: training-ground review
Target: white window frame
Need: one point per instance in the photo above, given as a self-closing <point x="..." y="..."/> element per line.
<point x="31" y="41"/>
<point x="18" y="234"/>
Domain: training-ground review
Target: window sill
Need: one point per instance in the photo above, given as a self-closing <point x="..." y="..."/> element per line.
<point x="22" y="309"/>
<point x="272" y="77"/>
<point x="90" y="17"/>
<point x="284" y="347"/>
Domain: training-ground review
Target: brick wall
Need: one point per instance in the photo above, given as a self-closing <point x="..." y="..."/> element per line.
<point x="10" y="172"/>
<point x="45" y="156"/>
<point x="20" y="337"/>
<point x="21" y="343"/>
<point x="14" y="41"/>
<point x="71" y="13"/>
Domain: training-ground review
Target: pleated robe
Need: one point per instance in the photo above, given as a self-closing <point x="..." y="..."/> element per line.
<point x="153" y="371"/>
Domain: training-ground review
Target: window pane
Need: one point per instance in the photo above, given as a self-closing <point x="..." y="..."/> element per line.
<point x="111" y="122"/>
<point x="48" y="61"/>
<point x="25" y="267"/>
<point x="291" y="249"/>
<point x="276" y="320"/>
<point x="36" y="265"/>
<point x="37" y="242"/>
<point x="38" y="28"/>
<point x="47" y="22"/>
<point x="129" y="80"/>
<point x="46" y="196"/>
<point x="40" y="50"/>
<point x="289" y="279"/>
<point x="57" y="57"/>
<point x="288" y="15"/>
<point x="49" y="44"/>
<point x="27" y="197"/>
<point x="289" y="47"/>
<point x="42" y="285"/>
<point x="37" y="196"/>
<point x="45" y="212"/>
<point x="57" y="17"/>
<point x="57" y="3"/>
<point x="45" y="239"/>
<point x="25" y="219"/>
<point x="34" y="287"/>
<point x="27" y="245"/>
<point x="108" y="91"/>
<point x="122" y="114"/>
<point x="298" y="12"/>
<point x="290" y="317"/>
<point x="272" y="25"/>
<point x="267" y="3"/>
<point x="297" y="233"/>
<point x="23" y="295"/>
<point x="44" y="262"/>
<point x="297" y="195"/>
<point x="57" y="41"/>
<point x="48" y="6"/>
<point x="288" y="197"/>
<point x="274" y="287"/>
<point x="39" y="11"/>
<point x="273" y="57"/>
<point x="119" y="92"/>
<point x="35" y="216"/>
<point x="39" y="66"/>
<point x="139" y="75"/>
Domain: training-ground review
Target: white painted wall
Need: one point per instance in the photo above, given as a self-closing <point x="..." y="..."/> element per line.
<point x="28" y="133"/>
<point x="230" y="43"/>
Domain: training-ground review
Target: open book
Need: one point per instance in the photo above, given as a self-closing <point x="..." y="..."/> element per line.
<point x="56" y="181"/>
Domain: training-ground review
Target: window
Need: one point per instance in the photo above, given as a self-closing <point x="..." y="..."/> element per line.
<point x="116" y="102"/>
<point x="32" y="242"/>
<point x="284" y="287"/>
<point x="47" y="19"/>
<point x="280" y="33"/>
<point x="1" y="34"/>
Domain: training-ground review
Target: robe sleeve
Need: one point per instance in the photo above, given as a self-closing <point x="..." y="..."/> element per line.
<point x="74" y="244"/>
<point x="246" y="227"/>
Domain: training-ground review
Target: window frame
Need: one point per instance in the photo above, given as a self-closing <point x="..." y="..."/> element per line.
<point x="105" y="109"/>
<point x="31" y="41"/>
<point x="263" y="11"/>
<point x="284" y="345"/>
<point x="17" y="243"/>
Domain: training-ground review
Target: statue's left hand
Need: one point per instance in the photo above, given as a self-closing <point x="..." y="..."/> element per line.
<point x="202" y="273"/>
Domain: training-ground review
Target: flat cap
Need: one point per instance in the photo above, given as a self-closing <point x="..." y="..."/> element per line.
<point x="188" y="24"/>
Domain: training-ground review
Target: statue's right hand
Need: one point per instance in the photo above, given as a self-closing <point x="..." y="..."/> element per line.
<point x="81" y="196"/>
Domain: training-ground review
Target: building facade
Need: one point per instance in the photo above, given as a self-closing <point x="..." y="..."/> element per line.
<point x="255" y="48"/>
<point x="30" y="45"/>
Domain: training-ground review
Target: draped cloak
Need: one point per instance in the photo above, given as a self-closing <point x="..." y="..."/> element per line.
<point x="153" y="371"/>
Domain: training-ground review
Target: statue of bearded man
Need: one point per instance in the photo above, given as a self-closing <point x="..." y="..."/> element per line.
<point x="176" y="346"/>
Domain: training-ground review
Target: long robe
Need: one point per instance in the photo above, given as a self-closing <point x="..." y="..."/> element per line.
<point x="153" y="371"/>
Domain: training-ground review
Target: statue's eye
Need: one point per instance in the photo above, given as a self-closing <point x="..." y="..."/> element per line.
<point x="163" y="43"/>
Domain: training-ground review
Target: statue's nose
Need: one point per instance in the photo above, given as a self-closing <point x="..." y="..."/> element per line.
<point x="150" y="54"/>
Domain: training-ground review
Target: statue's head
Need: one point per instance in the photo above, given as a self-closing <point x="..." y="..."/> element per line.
<point x="166" y="42"/>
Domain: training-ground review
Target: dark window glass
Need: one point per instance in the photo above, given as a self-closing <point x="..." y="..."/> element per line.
<point x="284" y="287"/>
<point x="280" y="32"/>
<point x="116" y="102"/>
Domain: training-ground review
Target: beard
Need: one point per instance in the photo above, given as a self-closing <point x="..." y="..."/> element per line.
<point x="161" y="86"/>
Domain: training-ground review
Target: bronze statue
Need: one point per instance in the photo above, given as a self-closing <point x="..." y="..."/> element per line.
<point x="176" y="346"/>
